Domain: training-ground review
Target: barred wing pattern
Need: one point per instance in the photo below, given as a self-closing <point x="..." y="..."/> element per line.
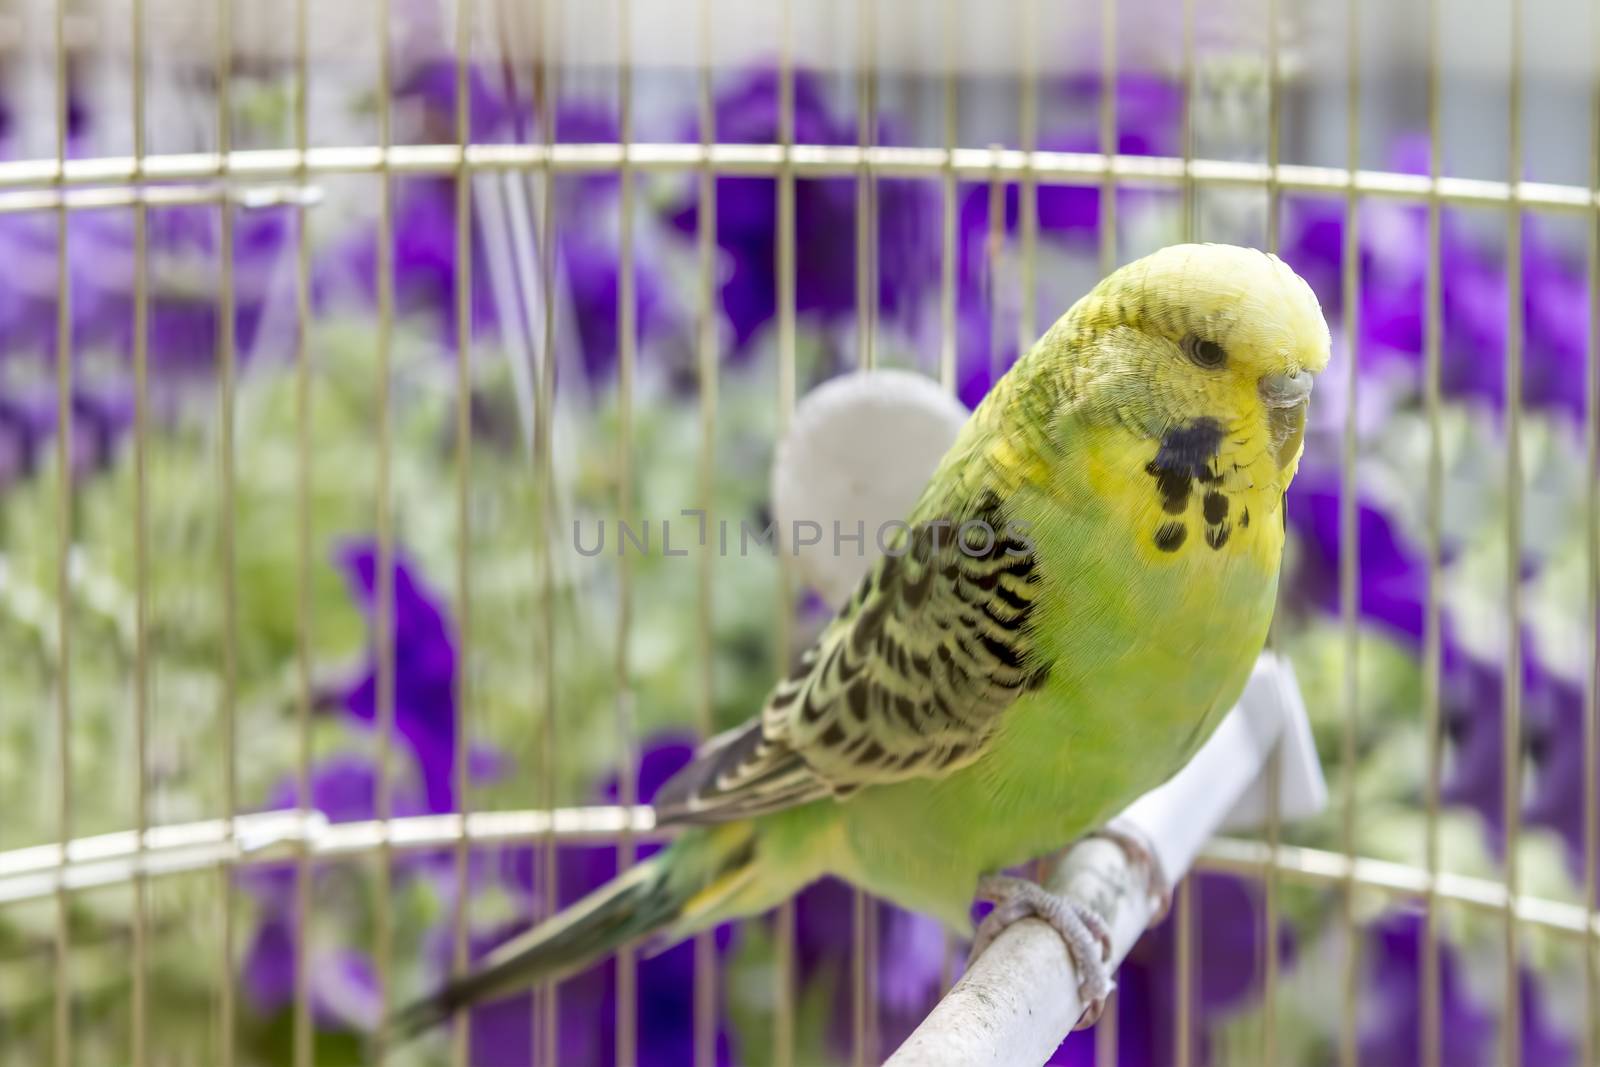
<point x="909" y="680"/>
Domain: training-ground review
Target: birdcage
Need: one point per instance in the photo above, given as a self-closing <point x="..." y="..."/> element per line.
<point x="324" y="328"/>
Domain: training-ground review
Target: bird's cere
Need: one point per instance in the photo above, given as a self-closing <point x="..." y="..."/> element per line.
<point x="1286" y="390"/>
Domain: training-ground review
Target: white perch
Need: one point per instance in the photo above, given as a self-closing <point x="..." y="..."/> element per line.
<point x="1017" y="1001"/>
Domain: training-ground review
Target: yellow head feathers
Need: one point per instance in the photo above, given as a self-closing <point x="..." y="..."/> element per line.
<point x="1195" y="332"/>
<point x="1248" y="301"/>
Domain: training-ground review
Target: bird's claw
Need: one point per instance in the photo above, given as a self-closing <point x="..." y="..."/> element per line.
<point x="1085" y="933"/>
<point x="1141" y="854"/>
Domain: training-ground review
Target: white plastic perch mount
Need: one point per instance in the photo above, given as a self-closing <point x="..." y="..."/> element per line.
<point x="859" y="451"/>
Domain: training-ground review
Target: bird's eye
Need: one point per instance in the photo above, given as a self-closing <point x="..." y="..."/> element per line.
<point x="1204" y="353"/>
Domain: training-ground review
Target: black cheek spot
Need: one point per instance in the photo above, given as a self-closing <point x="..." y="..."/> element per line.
<point x="1169" y="538"/>
<point x="1173" y="485"/>
<point x="1244" y="518"/>
<point x="1216" y="508"/>
<point x="1218" y="537"/>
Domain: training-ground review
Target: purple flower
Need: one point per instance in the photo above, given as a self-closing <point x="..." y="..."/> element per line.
<point x="185" y="322"/>
<point x="910" y="961"/>
<point x="1390" y="1034"/>
<point x="344" y="988"/>
<point x="1226" y="977"/>
<point x="501" y="1029"/>
<point x="184" y="298"/>
<point x="1391" y="570"/>
<point x="184" y="254"/>
<point x="591" y="271"/>
<point x="26" y="425"/>
<point x="424" y="661"/>
<point x="1149" y="116"/>
<point x="1556" y="738"/>
<point x="1474" y="296"/>
<point x="423" y="260"/>
<point x="429" y="90"/>
<point x="100" y="418"/>
<point x="424" y="252"/>
<point x="1391" y="579"/>
<point x="1472" y="712"/>
<point x="911" y="964"/>
<point x="825" y="217"/>
<point x="344" y="788"/>
<point x="343" y="983"/>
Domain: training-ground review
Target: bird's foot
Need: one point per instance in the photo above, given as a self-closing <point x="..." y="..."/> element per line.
<point x="1141" y="853"/>
<point x="1086" y="935"/>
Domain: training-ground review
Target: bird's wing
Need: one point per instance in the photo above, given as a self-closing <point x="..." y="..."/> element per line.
<point x="909" y="680"/>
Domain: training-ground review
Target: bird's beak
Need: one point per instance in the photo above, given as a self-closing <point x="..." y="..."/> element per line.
<point x="1286" y="397"/>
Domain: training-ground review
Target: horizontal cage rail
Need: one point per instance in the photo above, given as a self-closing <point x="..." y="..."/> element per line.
<point x="130" y="194"/>
<point x="39" y="871"/>
<point x="763" y="160"/>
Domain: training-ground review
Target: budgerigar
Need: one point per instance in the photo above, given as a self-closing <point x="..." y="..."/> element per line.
<point x="1079" y="596"/>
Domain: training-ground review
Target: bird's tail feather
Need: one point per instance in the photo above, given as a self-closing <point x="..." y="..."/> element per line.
<point x="673" y="893"/>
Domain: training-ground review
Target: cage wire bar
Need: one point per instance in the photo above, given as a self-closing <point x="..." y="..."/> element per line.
<point x="1349" y="540"/>
<point x="1591" y="697"/>
<point x="141" y="546"/>
<point x="63" y="935"/>
<point x="1269" y="877"/>
<point x="229" y="176"/>
<point x="383" y="609"/>
<point x="863" y="932"/>
<point x="460" y="1037"/>
<point x="947" y="297"/>
<point x="627" y="354"/>
<point x="783" y="1028"/>
<point x="1511" y="757"/>
<point x="784" y="979"/>
<point x="1184" y="912"/>
<point x="228" y="584"/>
<point x="1431" y="1038"/>
<point x="301" y="1009"/>
<point x="705" y="955"/>
<point x="545" y="1017"/>
<point x="1105" y="1030"/>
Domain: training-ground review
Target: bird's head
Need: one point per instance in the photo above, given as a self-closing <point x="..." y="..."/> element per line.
<point x="1204" y="348"/>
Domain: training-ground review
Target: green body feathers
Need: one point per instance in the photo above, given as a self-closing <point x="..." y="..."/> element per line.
<point x="1084" y="586"/>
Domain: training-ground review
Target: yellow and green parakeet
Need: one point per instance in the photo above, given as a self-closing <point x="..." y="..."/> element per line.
<point x="1078" y="597"/>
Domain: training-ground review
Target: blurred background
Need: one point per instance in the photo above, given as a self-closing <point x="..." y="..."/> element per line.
<point x="291" y="450"/>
